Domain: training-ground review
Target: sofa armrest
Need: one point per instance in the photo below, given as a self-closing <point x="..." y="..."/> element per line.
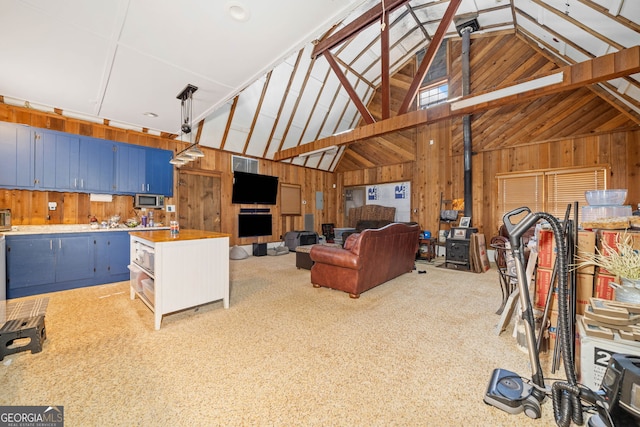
<point x="335" y="256"/>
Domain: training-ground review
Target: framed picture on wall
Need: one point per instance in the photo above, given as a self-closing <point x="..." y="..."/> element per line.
<point x="465" y="221"/>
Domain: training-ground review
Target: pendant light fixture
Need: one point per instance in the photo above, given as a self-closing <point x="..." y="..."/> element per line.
<point x="192" y="152"/>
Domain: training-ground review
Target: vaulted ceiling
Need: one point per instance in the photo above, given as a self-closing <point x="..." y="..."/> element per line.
<point x="276" y="79"/>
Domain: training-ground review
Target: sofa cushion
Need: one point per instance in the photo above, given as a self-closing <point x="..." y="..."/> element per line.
<point x="351" y="241"/>
<point x="338" y="257"/>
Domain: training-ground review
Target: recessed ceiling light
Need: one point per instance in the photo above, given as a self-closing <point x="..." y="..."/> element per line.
<point x="238" y="11"/>
<point x="150" y="114"/>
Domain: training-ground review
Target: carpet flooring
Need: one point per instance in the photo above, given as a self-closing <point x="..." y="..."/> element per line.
<point x="418" y="350"/>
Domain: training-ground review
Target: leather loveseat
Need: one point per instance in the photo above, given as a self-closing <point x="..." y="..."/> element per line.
<point x="367" y="259"/>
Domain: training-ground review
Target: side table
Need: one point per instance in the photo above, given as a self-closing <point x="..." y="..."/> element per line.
<point x="427" y="249"/>
<point x="303" y="257"/>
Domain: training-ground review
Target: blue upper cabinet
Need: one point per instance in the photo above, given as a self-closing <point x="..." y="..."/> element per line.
<point x="130" y="169"/>
<point x="42" y="159"/>
<point x="16" y="156"/>
<point x="56" y="161"/>
<point x="159" y="172"/>
<point x="97" y="165"/>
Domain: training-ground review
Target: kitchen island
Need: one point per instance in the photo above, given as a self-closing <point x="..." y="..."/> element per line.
<point x="172" y="272"/>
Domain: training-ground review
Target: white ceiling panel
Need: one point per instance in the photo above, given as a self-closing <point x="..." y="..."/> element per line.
<point x="273" y="148"/>
<point x="129" y="97"/>
<point x="580" y="37"/>
<point x="293" y="136"/>
<point x="630" y="10"/>
<point x="214" y="127"/>
<point x="277" y="89"/>
<point x="597" y="21"/>
<point x="39" y="68"/>
<point x="331" y="86"/>
<point x="118" y="59"/>
<point x="236" y="140"/>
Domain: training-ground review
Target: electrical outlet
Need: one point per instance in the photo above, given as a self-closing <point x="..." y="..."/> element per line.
<point x="53" y="206"/>
<point x="171" y="208"/>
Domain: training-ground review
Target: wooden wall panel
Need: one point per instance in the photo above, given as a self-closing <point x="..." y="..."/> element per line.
<point x="31" y="207"/>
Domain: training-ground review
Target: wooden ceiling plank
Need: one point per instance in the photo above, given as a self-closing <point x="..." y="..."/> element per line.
<point x="614" y="101"/>
<point x="429" y="55"/>
<point x="603" y="68"/>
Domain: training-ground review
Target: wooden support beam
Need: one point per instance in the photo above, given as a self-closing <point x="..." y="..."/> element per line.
<point x="429" y="55"/>
<point x="384" y="64"/>
<point x="366" y="115"/>
<point x="603" y="68"/>
<point x="354" y="27"/>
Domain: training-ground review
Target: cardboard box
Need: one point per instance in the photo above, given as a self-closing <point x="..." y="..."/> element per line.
<point x="584" y="290"/>
<point x="611" y="238"/>
<point x="586" y="245"/>
<point x="594" y="354"/>
<point x="601" y="286"/>
<point x="546" y="249"/>
<point x="543" y="284"/>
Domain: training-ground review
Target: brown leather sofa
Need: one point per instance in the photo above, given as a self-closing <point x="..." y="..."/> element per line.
<point x="367" y="259"/>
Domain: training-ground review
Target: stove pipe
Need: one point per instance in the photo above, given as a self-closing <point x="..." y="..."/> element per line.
<point x="466" y="121"/>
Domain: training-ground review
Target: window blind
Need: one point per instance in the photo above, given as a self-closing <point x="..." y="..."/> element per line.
<point x="549" y="190"/>
<point x="520" y="189"/>
<point x="567" y="186"/>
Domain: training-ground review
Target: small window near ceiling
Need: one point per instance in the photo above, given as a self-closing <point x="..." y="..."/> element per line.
<point x="243" y="164"/>
<point x="435" y="86"/>
<point x="433" y="95"/>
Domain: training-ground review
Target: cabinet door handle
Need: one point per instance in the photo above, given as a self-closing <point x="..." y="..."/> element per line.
<point x="50" y="244"/>
<point x="75" y="182"/>
<point x="60" y="244"/>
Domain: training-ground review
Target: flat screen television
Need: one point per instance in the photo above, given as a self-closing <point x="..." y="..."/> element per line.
<point x="251" y="188"/>
<point x="251" y="225"/>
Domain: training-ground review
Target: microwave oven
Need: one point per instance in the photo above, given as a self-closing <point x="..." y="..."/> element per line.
<point x="5" y="219"/>
<point x="149" y="201"/>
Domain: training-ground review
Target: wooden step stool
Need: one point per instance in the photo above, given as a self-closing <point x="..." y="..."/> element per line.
<point x="29" y="327"/>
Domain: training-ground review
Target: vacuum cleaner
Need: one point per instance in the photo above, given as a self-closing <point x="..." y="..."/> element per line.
<point x="616" y="404"/>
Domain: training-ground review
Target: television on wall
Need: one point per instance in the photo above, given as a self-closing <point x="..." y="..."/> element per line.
<point x="252" y="225"/>
<point x="255" y="189"/>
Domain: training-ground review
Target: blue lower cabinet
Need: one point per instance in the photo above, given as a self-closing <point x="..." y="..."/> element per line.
<point x="44" y="263"/>
<point x="111" y="257"/>
<point x="31" y="263"/>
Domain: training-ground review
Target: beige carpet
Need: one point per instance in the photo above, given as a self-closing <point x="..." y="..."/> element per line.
<point x="416" y="351"/>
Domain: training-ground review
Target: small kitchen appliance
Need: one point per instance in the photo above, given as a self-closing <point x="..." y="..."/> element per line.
<point x="148" y="201"/>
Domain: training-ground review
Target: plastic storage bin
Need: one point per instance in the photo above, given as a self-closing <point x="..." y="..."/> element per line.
<point x="137" y="275"/>
<point x="148" y="289"/>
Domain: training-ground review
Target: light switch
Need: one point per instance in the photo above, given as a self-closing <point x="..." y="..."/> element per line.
<point x="171" y="208"/>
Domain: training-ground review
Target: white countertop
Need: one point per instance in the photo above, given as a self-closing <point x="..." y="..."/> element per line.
<point x="17" y="230"/>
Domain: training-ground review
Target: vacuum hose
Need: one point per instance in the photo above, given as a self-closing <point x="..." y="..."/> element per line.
<point x="566" y="396"/>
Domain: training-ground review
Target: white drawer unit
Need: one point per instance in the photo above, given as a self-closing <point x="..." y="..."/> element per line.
<point x="170" y="274"/>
